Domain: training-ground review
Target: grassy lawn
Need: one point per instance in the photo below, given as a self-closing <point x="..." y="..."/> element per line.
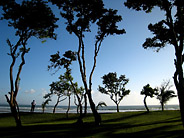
<point x="129" y="124"/>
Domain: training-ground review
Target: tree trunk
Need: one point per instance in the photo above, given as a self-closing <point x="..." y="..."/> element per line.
<point x="180" y="90"/>
<point x="16" y="116"/>
<point x="146" y="104"/>
<point x="162" y="105"/>
<point x="68" y="107"/>
<point x="117" y="107"/>
<point x="179" y="81"/>
<point x="79" y="106"/>
<point x="85" y="104"/>
<point x="93" y="108"/>
<point x="54" y="110"/>
<point x="15" y="111"/>
<point x="181" y="101"/>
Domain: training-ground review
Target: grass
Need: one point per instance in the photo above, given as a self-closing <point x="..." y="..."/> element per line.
<point x="129" y="124"/>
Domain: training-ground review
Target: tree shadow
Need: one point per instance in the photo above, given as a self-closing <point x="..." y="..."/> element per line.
<point x="110" y="128"/>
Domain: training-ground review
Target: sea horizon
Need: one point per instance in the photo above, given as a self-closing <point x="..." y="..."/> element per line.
<point x="4" y="108"/>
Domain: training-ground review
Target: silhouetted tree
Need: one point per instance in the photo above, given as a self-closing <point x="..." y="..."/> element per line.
<point x="148" y="91"/>
<point x="100" y="104"/>
<point x="29" y="18"/>
<point x="165" y="94"/>
<point x="169" y="31"/>
<point x="80" y="97"/>
<point x="58" y="62"/>
<point x="114" y="87"/>
<point x="80" y="15"/>
<point x="59" y="88"/>
<point x="45" y="103"/>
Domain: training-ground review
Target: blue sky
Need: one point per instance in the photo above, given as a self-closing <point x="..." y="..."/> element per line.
<point x="122" y="54"/>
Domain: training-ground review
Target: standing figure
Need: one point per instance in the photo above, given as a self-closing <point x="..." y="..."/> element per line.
<point x="33" y="104"/>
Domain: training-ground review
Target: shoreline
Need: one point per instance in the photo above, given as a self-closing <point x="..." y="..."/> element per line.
<point x="73" y="109"/>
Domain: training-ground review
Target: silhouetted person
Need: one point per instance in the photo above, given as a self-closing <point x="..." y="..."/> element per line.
<point x="33" y="104"/>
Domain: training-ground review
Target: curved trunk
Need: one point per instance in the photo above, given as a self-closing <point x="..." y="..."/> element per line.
<point x="79" y="121"/>
<point x="179" y="79"/>
<point x="16" y="115"/>
<point x="93" y="108"/>
<point x="68" y="107"/>
<point x="86" y="104"/>
<point x="180" y="91"/>
<point x="146" y="104"/>
<point x="15" y="111"/>
<point x="54" y="110"/>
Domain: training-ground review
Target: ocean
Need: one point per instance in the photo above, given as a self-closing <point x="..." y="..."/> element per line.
<point x="73" y="109"/>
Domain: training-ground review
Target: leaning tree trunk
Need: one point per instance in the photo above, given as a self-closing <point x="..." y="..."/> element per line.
<point x="68" y="106"/>
<point x="146" y="104"/>
<point x="15" y="111"/>
<point x="54" y="110"/>
<point x="14" y="91"/>
<point x="93" y="108"/>
<point x="179" y="80"/>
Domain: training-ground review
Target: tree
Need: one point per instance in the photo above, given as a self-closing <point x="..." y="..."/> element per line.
<point x="45" y="103"/>
<point x="80" y="96"/>
<point x="114" y="87"/>
<point x="58" y="88"/>
<point x="167" y="32"/>
<point x="165" y="94"/>
<point x="58" y="62"/>
<point x="29" y="19"/>
<point x="100" y="104"/>
<point x="80" y="15"/>
<point x="148" y="91"/>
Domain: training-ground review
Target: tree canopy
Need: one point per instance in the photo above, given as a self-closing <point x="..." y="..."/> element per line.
<point x="29" y="19"/>
<point x="80" y="15"/>
<point x="168" y="31"/>
<point x="165" y="94"/>
<point x="148" y="91"/>
<point x="114" y="87"/>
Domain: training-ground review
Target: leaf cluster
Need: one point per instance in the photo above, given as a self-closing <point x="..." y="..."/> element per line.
<point x="33" y="18"/>
<point x="167" y="31"/>
<point x="60" y="87"/>
<point x="114" y="87"/>
<point x="149" y="91"/>
<point x="80" y="14"/>
<point x="165" y="94"/>
<point x="65" y="61"/>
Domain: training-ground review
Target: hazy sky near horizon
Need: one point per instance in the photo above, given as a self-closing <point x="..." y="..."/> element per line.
<point x="123" y="54"/>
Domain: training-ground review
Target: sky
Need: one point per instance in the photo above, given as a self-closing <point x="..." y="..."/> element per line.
<point x="123" y="54"/>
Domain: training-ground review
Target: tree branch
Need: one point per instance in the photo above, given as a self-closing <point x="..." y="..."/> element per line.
<point x="97" y="48"/>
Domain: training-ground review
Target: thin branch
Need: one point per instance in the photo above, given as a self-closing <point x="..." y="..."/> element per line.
<point x="97" y="48"/>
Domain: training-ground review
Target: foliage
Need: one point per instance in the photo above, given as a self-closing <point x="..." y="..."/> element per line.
<point x="148" y="91"/>
<point x="114" y="87"/>
<point x="45" y="103"/>
<point x="80" y="15"/>
<point x="29" y="19"/>
<point x="100" y="104"/>
<point x="165" y="94"/>
<point x="57" y="62"/>
<point x="166" y="31"/>
<point x="169" y="31"/>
